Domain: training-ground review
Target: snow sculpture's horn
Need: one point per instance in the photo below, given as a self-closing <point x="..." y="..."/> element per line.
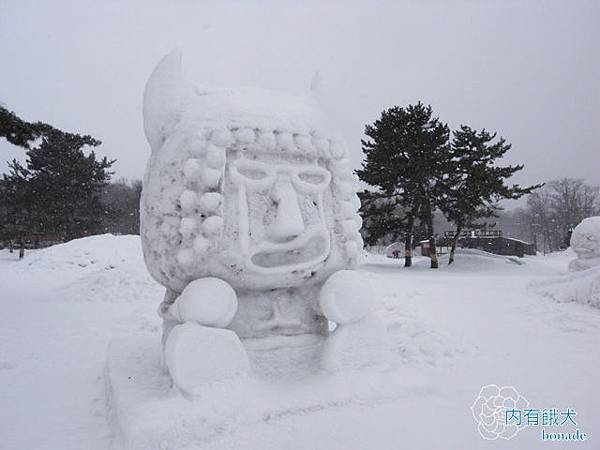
<point x="164" y="99"/>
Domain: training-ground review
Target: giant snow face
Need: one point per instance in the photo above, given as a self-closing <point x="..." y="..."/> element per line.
<point x="585" y="239"/>
<point x="280" y="213"/>
<point x="245" y="185"/>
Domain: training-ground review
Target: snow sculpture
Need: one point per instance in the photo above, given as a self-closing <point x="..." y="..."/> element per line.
<point x="248" y="208"/>
<point x="585" y="242"/>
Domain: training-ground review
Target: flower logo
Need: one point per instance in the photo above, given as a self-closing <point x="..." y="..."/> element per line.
<point x="493" y="408"/>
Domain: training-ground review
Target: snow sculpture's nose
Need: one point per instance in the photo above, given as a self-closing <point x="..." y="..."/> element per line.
<point x="288" y="219"/>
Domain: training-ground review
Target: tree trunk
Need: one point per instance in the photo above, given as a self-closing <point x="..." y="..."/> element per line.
<point x="408" y="244"/>
<point x="433" y="252"/>
<point x="432" y="246"/>
<point x="454" y="241"/>
<point x="11" y="246"/>
<point x="21" y="249"/>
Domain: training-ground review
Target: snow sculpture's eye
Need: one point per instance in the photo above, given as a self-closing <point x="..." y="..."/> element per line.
<point x="314" y="179"/>
<point x="252" y="174"/>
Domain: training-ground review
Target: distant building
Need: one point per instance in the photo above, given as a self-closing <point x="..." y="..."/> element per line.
<point x="491" y="241"/>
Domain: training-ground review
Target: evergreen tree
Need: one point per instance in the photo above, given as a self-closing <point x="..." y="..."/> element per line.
<point x="19" y="132"/>
<point x="383" y="218"/>
<point x="121" y="207"/>
<point x="476" y="184"/>
<point x="57" y="190"/>
<point x="406" y="159"/>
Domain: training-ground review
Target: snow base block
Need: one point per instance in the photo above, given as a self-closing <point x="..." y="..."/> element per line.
<point x="149" y="413"/>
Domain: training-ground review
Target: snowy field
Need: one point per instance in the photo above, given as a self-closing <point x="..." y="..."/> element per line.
<point x="481" y="321"/>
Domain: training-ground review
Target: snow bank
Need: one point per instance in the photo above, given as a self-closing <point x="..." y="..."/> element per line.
<point x="102" y="268"/>
<point x="580" y="287"/>
<point x="474" y="260"/>
<point x="85" y="254"/>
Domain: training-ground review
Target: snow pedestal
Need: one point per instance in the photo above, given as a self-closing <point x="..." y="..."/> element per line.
<point x="150" y="413"/>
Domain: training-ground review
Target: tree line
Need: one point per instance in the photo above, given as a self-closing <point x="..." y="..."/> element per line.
<point x="63" y="189"/>
<point x="416" y="166"/>
<point x="421" y="175"/>
<point x="551" y="213"/>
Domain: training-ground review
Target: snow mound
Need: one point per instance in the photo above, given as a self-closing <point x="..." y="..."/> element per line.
<point x="474" y="260"/>
<point x="102" y="268"/>
<point x="80" y="255"/>
<point x="579" y="287"/>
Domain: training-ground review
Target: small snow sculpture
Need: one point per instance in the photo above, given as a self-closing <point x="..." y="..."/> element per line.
<point x="248" y="207"/>
<point x="585" y="242"/>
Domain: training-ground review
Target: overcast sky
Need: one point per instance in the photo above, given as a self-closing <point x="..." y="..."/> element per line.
<point x="529" y="70"/>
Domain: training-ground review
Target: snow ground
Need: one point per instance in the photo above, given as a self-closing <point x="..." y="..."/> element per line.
<point x="453" y="330"/>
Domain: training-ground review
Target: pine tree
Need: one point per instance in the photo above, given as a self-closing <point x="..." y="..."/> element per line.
<point x="476" y="184"/>
<point x="19" y="132"/>
<point x="56" y="191"/>
<point x="406" y="159"/>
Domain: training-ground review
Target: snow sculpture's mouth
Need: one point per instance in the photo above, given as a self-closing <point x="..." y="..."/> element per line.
<point x="300" y="253"/>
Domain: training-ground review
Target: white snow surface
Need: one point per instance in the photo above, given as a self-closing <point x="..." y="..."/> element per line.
<point x="479" y="321"/>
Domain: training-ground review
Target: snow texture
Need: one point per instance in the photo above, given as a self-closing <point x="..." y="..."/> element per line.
<point x="451" y="332"/>
<point x="585" y="242"/>
<point x="356" y="345"/>
<point x="582" y="287"/>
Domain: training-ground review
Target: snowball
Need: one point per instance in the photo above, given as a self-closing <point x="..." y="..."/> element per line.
<point x="187" y="201"/>
<point x="192" y="169"/>
<point x="211" y="177"/>
<point x="215" y="157"/>
<point x="285" y="140"/>
<point x="346" y="297"/>
<point x="266" y="139"/>
<point x="210" y="201"/>
<point x="303" y="142"/>
<point x="198" y="143"/>
<point x="221" y="137"/>
<point x="196" y="355"/>
<point x="212" y="225"/>
<point x="245" y="135"/>
<point x="208" y="301"/>
<point x="357" y="345"/>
